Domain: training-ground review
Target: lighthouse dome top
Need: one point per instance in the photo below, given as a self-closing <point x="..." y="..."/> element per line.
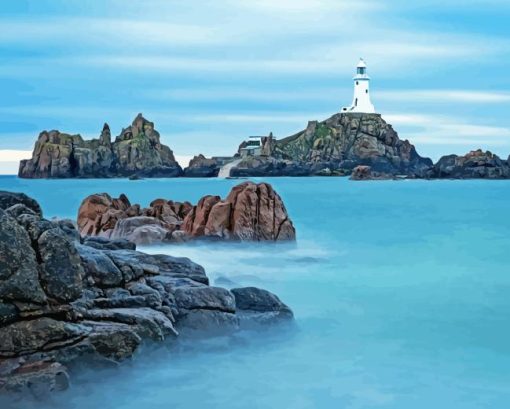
<point x="361" y="63"/>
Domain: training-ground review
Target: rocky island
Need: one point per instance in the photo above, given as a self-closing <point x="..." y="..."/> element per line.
<point x="136" y="151"/>
<point x="64" y="299"/>
<point x="336" y="146"/>
<point x="250" y="212"/>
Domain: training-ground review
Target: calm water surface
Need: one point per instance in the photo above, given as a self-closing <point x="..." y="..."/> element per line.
<point x="400" y="291"/>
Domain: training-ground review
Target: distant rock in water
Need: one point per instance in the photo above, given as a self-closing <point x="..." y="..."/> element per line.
<point x="65" y="299"/>
<point x="474" y="165"/>
<point x="136" y="151"/>
<point x="339" y="144"/>
<point x="251" y="212"/>
<point x="363" y="172"/>
<point x="200" y="166"/>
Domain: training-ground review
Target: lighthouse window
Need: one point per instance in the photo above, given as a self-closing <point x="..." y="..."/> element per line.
<point x="357" y="82"/>
<point x="356" y="102"/>
<point x="366" y="91"/>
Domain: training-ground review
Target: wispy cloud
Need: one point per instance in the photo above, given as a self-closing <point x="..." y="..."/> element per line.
<point x="440" y="96"/>
<point x="444" y="130"/>
<point x="110" y="32"/>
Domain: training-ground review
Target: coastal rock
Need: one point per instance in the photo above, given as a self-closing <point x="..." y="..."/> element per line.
<point x="202" y="167"/>
<point x="363" y="172"/>
<point x="136" y="151"/>
<point x="63" y="297"/>
<point x="258" y="306"/>
<point x="253" y="212"/>
<point x="99" y="213"/>
<point x="61" y="271"/>
<point x="340" y="143"/>
<point x="8" y="199"/>
<point x="474" y="165"/>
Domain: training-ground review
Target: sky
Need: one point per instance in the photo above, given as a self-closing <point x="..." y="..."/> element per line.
<point x="210" y="73"/>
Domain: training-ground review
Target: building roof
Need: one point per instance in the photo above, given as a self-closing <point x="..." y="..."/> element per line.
<point x="361" y="63"/>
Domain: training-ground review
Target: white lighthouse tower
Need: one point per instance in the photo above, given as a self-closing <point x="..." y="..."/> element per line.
<point x="361" y="101"/>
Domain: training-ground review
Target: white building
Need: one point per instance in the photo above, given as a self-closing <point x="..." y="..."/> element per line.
<point x="252" y="147"/>
<point x="361" y="101"/>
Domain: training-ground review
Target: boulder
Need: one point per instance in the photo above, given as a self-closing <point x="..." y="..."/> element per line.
<point x="256" y="306"/>
<point x="8" y="199"/>
<point x="253" y="212"/>
<point x="19" y="275"/>
<point x="141" y="230"/>
<point x="363" y="172"/>
<point x="61" y="270"/>
<point x="201" y="167"/>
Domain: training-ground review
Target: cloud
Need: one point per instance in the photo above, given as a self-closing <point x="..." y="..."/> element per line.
<point x="441" y="96"/>
<point x="111" y="32"/>
<point x="443" y="130"/>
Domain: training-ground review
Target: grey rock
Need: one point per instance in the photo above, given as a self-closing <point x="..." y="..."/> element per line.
<point x="37" y="379"/>
<point x="102" y="243"/>
<point x="8" y="313"/>
<point x="19" y="278"/>
<point x="42" y="334"/>
<point x="61" y="270"/>
<point x="207" y="298"/>
<point x="258" y="306"/>
<point x="8" y="199"/>
<point x="201" y="323"/>
<point x="146" y="322"/>
<point x="100" y="267"/>
<point x="141" y="230"/>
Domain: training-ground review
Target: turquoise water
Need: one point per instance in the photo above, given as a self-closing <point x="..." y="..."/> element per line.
<point x="400" y="291"/>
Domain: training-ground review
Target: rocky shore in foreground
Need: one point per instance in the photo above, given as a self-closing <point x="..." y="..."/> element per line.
<point x="250" y="212"/>
<point x="64" y="299"/>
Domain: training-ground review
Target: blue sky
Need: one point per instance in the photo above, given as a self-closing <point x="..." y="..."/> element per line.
<point x="211" y="72"/>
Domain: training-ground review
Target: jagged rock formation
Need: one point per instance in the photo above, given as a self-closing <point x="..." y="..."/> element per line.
<point x="474" y="165"/>
<point x="250" y="212"/>
<point x="339" y="144"/>
<point x="136" y="151"/>
<point x="200" y="166"/>
<point x="63" y="298"/>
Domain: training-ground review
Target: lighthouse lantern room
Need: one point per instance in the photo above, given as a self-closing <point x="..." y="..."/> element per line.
<point x="361" y="101"/>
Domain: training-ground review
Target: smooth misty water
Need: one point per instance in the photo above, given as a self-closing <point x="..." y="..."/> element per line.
<point x="400" y="291"/>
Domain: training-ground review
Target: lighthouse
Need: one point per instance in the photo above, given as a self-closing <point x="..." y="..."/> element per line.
<point x="361" y="101"/>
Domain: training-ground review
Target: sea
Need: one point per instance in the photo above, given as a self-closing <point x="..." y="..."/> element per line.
<point x="400" y="290"/>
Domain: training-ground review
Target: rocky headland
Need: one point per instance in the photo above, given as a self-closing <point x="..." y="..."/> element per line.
<point x="137" y="150"/>
<point x="65" y="299"/>
<point x="250" y="212"/>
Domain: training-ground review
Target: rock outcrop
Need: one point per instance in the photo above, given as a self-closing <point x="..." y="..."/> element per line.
<point x="63" y="298"/>
<point x="251" y="212"/>
<point x="338" y="144"/>
<point x="474" y="165"/>
<point x="363" y="172"/>
<point x="202" y="167"/>
<point x="136" y="151"/>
